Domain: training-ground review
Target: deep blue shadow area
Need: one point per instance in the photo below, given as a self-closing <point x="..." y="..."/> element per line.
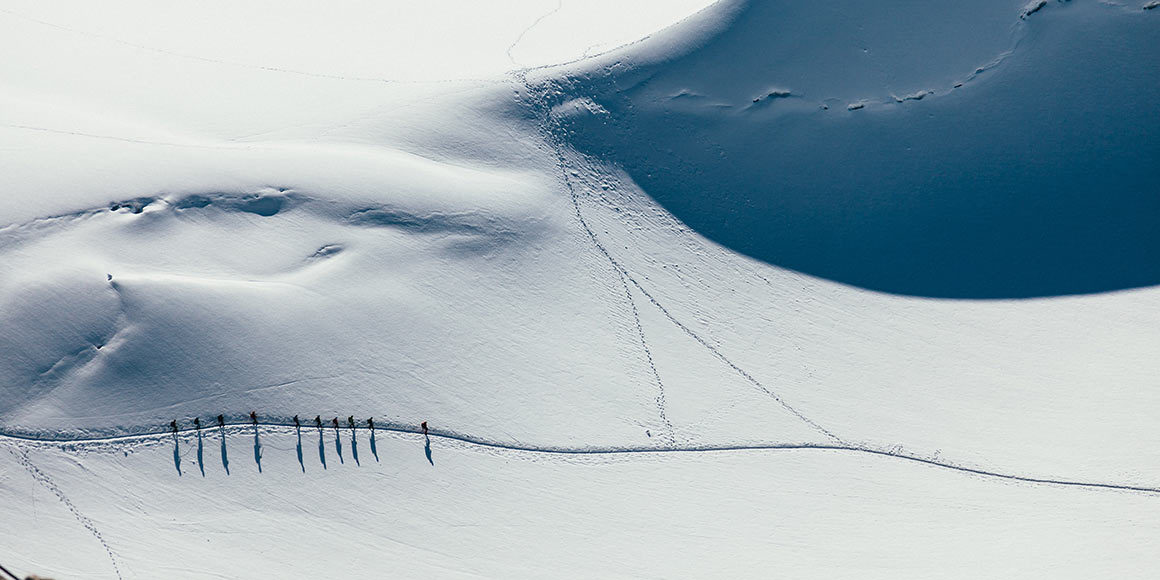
<point x="1040" y="178"/>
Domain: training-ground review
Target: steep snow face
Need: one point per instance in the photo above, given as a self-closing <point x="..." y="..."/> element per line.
<point x="942" y="149"/>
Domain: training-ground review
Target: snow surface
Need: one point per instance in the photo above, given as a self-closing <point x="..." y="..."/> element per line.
<point x="825" y="289"/>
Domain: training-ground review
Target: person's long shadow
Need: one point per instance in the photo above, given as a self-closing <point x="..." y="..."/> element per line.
<point x="200" y="454"/>
<point x="427" y="449"/>
<point x="354" y="445"/>
<point x="176" y="454"/>
<point x="338" y="445"/>
<point x="257" y="449"/>
<point x="298" y="432"/>
<point x="321" y="449"/>
<point x="374" y="449"/>
<point x="225" y="456"/>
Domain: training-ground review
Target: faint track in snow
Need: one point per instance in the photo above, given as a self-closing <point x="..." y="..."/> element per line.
<point x="44" y="480"/>
<point x="524" y="32"/>
<point x="740" y="371"/>
<point x="480" y="442"/>
<point x="562" y="162"/>
<point x="662" y="404"/>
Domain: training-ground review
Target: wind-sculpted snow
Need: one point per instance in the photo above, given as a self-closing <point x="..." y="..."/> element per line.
<point x="679" y="309"/>
<point x="892" y="167"/>
<point x="168" y="321"/>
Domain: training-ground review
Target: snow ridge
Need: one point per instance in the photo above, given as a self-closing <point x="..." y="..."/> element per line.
<point x="453" y="436"/>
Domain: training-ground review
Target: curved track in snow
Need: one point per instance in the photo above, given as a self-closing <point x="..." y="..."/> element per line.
<point x="480" y="442"/>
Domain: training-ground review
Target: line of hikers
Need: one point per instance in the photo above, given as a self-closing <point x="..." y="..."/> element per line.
<point x="221" y="421"/>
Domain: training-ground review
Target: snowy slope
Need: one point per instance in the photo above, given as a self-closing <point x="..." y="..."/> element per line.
<point x="824" y="289"/>
<point x="1055" y="384"/>
<point x="491" y="514"/>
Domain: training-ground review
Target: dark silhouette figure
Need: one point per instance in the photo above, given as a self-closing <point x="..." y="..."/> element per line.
<point x="197" y="423"/>
<point x="374" y="449"/>
<point x="350" y="421"/>
<point x="296" y="423"/>
<point x="318" y="421"/>
<point x="427" y="443"/>
<point x="254" y="417"/>
<point x="173" y="425"/>
<point x="335" y="422"/>
<point x="221" y="421"/>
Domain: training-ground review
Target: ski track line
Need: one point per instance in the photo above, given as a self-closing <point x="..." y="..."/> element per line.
<point x="524" y="32"/>
<point x="838" y="445"/>
<point x="662" y="404"/>
<point x="44" y="480"/>
<point x="562" y="162"/>
<point x="287" y="427"/>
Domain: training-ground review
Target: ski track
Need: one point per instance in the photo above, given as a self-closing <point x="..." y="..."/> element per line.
<point x="44" y="480"/>
<point x="15" y="439"/>
<point x="524" y="32"/>
<point x="662" y="405"/>
<point x="562" y="163"/>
